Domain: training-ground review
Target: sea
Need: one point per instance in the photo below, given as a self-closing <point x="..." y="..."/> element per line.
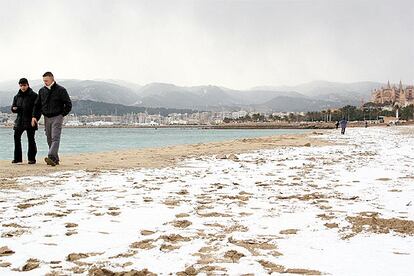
<point x="83" y="140"/>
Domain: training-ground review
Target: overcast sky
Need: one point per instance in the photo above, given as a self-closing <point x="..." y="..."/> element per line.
<point x="233" y="43"/>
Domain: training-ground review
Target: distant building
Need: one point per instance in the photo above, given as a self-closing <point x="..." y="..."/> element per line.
<point x="239" y="114"/>
<point x="392" y="95"/>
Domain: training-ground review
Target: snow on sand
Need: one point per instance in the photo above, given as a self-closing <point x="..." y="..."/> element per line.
<point x="342" y="209"/>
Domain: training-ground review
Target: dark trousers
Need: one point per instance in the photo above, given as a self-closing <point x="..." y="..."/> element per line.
<point x="343" y="130"/>
<point x="31" y="154"/>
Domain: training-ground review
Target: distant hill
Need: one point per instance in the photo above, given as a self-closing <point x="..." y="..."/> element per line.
<point x="345" y="93"/>
<point x="259" y="96"/>
<point x="315" y="95"/>
<point x="198" y="97"/>
<point x="296" y="104"/>
<point x="87" y="107"/>
<point x="99" y="91"/>
<point x="130" y="85"/>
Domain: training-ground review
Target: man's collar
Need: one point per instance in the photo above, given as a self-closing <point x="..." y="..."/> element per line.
<point x="25" y="92"/>
<point x="50" y="86"/>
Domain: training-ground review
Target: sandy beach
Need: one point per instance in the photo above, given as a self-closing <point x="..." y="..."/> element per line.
<point x="150" y="157"/>
<point x="341" y="205"/>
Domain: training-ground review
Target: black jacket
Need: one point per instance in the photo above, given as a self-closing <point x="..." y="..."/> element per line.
<point x="52" y="102"/>
<point x="24" y="101"/>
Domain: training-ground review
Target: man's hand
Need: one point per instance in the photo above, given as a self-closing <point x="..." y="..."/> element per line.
<point x="34" y="122"/>
<point x="14" y="108"/>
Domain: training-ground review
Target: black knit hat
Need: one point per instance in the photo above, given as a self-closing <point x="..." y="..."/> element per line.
<point x="23" y="81"/>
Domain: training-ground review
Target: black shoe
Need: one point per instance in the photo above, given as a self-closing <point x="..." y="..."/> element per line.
<point x="15" y="162"/>
<point x="31" y="162"/>
<point x="50" y="162"/>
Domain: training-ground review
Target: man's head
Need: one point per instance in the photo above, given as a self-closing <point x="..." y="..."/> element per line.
<point x="48" y="78"/>
<point x="24" y="84"/>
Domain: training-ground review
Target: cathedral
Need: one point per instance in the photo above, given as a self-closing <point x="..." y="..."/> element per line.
<point x="393" y="95"/>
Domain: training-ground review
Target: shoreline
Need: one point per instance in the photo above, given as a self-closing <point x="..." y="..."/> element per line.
<point x="151" y="157"/>
<point x="298" y="125"/>
<point x="207" y="127"/>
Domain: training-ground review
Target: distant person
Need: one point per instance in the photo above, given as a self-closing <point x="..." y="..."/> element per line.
<point x="366" y="124"/>
<point x="337" y="125"/>
<point x="23" y="104"/>
<point x="343" y="124"/>
<point x="54" y="103"/>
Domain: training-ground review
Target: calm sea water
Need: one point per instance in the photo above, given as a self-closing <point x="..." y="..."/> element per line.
<point x="77" y="140"/>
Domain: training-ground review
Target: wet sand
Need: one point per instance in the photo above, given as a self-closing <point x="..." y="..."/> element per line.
<point x="150" y="157"/>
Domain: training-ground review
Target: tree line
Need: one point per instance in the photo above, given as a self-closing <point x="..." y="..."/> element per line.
<point x="369" y="111"/>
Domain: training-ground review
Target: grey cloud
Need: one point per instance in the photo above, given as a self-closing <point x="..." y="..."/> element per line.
<point x="232" y="43"/>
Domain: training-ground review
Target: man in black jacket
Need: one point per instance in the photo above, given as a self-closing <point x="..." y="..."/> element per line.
<point x="23" y="104"/>
<point x="54" y="103"/>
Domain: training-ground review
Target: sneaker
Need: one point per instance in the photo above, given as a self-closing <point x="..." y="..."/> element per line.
<point x="15" y="162"/>
<point x="50" y="162"/>
<point x="32" y="162"/>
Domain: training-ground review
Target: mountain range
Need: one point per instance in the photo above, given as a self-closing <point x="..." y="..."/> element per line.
<point x="312" y="96"/>
<point x="88" y="107"/>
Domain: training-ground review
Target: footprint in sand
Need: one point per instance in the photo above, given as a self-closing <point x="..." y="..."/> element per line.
<point x="5" y="251"/>
<point x="181" y="223"/>
<point x="31" y="264"/>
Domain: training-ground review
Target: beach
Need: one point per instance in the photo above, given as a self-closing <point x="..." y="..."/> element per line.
<point x="151" y="157"/>
<point x="319" y="203"/>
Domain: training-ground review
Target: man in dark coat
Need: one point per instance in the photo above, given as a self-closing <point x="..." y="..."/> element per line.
<point x="53" y="103"/>
<point x="23" y="104"/>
